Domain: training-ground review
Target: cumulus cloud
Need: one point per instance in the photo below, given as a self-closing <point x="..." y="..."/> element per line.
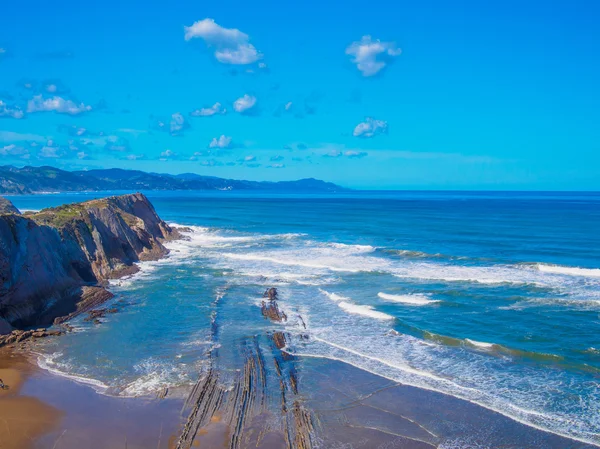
<point x="221" y="142"/>
<point x="370" y="128"/>
<point x="244" y="104"/>
<point x="56" y="104"/>
<point x="249" y="158"/>
<point x="208" y="111"/>
<point x="167" y="154"/>
<point x="176" y="125"/>
<point x="10" y="111"/>
<point x="372" y="56"/>
<point x="231" y="45"/>
<point x="276" y="158"/>
<point x="276" y="166"/>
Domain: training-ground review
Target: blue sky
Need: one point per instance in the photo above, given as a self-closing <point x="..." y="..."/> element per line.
<point x="426" y="95"/>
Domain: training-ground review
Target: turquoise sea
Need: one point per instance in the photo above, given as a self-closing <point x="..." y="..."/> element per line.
<point x="489" y="297"/>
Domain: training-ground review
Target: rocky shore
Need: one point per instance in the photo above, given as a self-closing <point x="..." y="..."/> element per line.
<point x="55" y="264"/>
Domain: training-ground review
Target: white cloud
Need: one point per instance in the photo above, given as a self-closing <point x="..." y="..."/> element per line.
<point x="56" y="104"/>
<point x="134" y="157"/>
<point x="221" y="142"/>
<point x="82" y="155"/>
<point x="355" y="154"/>
<point x="333" y="153"/>
<point x="276" y="166"/>
<point x="244" y="103"/>
<point x="288" y="106"/>
<point x="178" y="123"/>
<point x="50" y="150"/>
<point x="51" y="88"/>
<point x="371" y="56"/>
<point x="216" y="108"/>
<point x="167" y="154"/>
<point x="370" y="128"/>
<point x="249" y="158"/>
<point x="231" y="45"/>
<point x="12" y="112"/>
<point x="14" y="150"/>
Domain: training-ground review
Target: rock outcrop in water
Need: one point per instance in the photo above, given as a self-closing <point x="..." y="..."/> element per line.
<point x="53" y="263"/>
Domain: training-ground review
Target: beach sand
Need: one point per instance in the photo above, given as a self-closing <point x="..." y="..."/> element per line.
<point x="23" y="418"/>
<point x="351" y="409"/>
<point x="42" y="410"/>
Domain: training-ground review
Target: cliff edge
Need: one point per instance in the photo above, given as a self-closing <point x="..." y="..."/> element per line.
<point x="6" y="207"/>
<point x="53" y="263"/>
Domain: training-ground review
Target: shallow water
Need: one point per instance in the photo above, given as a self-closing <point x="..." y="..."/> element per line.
<point x="493" y="298"/>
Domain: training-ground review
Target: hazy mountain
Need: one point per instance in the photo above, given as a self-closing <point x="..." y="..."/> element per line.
<point x="50" y="179"/>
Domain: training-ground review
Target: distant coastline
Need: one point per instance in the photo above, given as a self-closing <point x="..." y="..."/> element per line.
<point x="48" y="180"/>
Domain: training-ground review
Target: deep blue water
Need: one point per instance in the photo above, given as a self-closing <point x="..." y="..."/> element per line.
<point x="490" y="297"/>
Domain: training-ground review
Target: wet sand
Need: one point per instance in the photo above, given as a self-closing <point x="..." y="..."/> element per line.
<point x="42" y="410"/>
<point x="23" y="418"/>
<point x="359" y="408"/>
<point x="351" y="409"/>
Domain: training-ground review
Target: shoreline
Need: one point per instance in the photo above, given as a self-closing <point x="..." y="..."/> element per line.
<point x="45" y="410"/>
<point x="349" y="404"/>
<point x="422" y="391"/>
<point x="464" y="423"/>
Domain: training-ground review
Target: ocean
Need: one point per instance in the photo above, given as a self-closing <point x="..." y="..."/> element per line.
<point x="490" y="297"/>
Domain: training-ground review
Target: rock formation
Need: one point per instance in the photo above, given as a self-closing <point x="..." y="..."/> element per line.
<point x="6" y="207"/>
<point x="53" y="263"/>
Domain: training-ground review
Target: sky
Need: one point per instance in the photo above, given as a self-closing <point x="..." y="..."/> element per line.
<point x="386" y="95"/>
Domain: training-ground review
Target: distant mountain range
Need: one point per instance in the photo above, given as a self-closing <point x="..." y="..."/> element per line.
<point x="49" y="179"/>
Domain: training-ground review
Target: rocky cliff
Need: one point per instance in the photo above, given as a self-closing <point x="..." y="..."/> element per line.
<point x="53" y="263"/>
<point x="6" y="207"/>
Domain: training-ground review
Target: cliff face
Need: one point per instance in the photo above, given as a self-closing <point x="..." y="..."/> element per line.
<point x="52" y="262"/>
<point x="6" y="207"/>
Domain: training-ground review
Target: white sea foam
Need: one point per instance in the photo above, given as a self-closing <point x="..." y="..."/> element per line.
<point x="154" y="375"/>
<point x="569" y="271"/>
<point x="334" y="296"/>
<point x="413" y="299"/>
<point x="354" y="248"/>
<point x="479" y="344"/>
<point x="367" y="311"/>
<point x="347" y="305"/>
<point x="49" y="363"/>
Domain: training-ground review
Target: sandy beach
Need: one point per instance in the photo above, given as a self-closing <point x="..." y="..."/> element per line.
<point x="352" y="408"/>
<point x="42" y="410"/>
